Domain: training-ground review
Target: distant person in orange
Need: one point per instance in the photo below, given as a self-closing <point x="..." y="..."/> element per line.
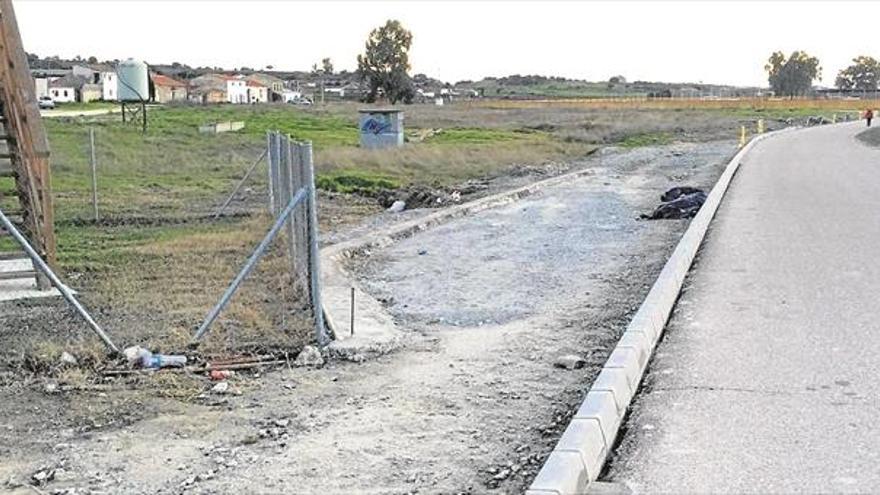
<point x="869" y="114"/>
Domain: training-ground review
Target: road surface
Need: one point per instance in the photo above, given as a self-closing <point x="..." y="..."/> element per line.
<point x="766" y="380"/>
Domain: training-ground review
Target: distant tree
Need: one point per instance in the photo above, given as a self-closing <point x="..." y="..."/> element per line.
<point x="270" y="67"/>
<point x="384" y="65"/>
<point x="93" y="59"/>
<point x="327" y="66"/>
<point x="792" y="76"/>
<point x="862" y="75"/>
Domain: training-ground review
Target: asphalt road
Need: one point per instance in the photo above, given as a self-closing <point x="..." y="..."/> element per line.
<point x="767" y="378"/>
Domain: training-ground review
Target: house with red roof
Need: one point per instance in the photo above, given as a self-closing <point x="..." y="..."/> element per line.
<point x="167" y="89"/>
<point x="257" y="92"/>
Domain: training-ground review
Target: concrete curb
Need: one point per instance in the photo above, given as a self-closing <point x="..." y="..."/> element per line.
<point x="586" y="443"/>
<point x="375" y="331"/>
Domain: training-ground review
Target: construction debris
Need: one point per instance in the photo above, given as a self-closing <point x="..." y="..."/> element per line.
<point x="570" y="362"/>
<point x="67" y="359"/>
<point x="397" y="206"/>
<point x="138" y="357"/>
<point x="678" y="202"/>
<point x="310" y="356"/>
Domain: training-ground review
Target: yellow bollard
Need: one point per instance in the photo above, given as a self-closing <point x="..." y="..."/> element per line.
<point x="742" y="136"/>
<point x="760" y="126"/>
<point x="833" y="118"/>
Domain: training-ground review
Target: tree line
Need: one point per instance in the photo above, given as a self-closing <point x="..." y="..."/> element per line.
<point x="794" y="75"/>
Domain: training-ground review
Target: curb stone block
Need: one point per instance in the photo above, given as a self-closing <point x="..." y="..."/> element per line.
<point x="638" y="344"/>
<point x="626" y="359"/>
<point x="614" y="380"/>
<point x="601" y="406"/>
<point x="584" y="437"/>
<point x="563" y="473"/>
<point x="642" y="322"/>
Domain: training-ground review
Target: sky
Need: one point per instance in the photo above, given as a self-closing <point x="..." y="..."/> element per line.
<point x="690" y="41"/>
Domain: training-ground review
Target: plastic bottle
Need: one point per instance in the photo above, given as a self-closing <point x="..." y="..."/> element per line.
<point x="140" y="357"/>
<point x="163" y="361"/>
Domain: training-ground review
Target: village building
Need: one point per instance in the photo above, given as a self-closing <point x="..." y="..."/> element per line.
<point x="257" y="93"/>
<point x="41" y="86"/>
<point x="208" y="88"/>
<point x="167" y="89"/>
<point x="274" y="84"/>
<point x="73" y="88"/>
<point x="236" y="90"/>
<point x="100" y="74"/>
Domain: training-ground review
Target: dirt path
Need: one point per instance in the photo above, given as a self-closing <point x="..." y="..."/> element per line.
<point x="472" y="403"/>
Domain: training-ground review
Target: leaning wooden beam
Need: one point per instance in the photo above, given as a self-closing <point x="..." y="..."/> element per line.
<point x="28" y="144"/>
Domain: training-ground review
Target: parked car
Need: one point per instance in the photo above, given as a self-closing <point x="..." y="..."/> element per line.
<point x="46" y="103"/>
<point x="301" y="101"/>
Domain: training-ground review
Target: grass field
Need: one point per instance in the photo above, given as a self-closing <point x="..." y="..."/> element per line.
<point x="156" y="262"/>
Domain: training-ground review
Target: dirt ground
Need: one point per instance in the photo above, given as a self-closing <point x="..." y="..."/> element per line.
<point x="471" y="404"/>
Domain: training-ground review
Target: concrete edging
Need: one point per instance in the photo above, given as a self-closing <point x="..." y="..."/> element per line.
<point x="375" y="331"/>
<point x="586" y="443"/>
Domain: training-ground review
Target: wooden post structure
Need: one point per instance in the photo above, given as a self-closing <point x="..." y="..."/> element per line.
<point x="26" y="139"/>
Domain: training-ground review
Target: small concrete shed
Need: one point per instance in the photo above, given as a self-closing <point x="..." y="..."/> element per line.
<point x="381" y="128"/>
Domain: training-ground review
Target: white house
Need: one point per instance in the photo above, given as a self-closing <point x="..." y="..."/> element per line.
<point x="257" y="93"/>
<point x="110" y="86"/>
<point x="236" y="90"/>
<point x="65" y="89"/>
<point x="339" y="92"/>
<point x="290" y="96"/>
<point x="100" y="74"/>
<point x="42" y="86"/>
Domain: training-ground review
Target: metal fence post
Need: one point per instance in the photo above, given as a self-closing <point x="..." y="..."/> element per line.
<point x="288" y="191"/>
<point x="94" y="162"/>
<point x="314" y="261"/>
<point x="301" y="226"/>
<point x="270" y="156"/>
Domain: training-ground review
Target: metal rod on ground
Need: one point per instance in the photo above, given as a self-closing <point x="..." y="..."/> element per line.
<point x="314" y="261"/>
<point x="249" y="265"/>
<point x="352" y="311"/>
<point x="43" y="267"/>
<point x="240" y="184"/>
<point x="94" y="162"/>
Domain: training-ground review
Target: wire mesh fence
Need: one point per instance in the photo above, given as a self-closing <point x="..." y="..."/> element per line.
<point x="155" y="263"/>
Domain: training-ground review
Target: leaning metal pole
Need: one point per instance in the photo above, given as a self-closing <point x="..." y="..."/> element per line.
<point x="249" y="265"/>
<point x="43" y="267"/>
<point x="314" y="254"/>
<point x="240" y="184"/>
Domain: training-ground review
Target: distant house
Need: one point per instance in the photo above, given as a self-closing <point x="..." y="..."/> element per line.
<point x="275" y="85"/>
<point x="90" y="92"/>
<point x="110" y="86"/>
<point x="72" y="88"/>
<point x="256" y="92"/>
<point x="236" y="90"/>
<point x="41" y="86"/>
<point x="167" y="89"/>
<point x="206" y="95"/>
<point x="100" y="74"/>
<point x="208" y="88"/>
<point x="291" y="96"/>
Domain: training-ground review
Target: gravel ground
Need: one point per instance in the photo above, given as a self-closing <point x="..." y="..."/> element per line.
<point x="472" y="404"/>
